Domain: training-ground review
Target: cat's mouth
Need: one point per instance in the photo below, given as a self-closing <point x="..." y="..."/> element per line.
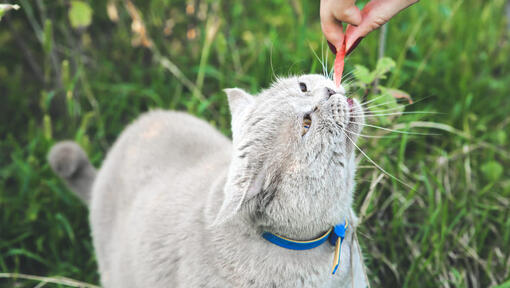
<point x="350" y="102"/>
<point x="346" y="113"/>
<point x="355" y="116"/>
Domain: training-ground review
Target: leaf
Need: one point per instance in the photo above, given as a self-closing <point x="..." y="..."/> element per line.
<point x="80" y="14"/>
<point x="47" y="36"/>
<point x="499" y="137"/>
<point x="221" y="43"/>
<point x="28" y="254"/>
<point x="503" y="285"/>
<point x="399" y="94"/>
<point x="384" y="65"/>
<point x="363" y="74"/>
<point x="65" y="74"/>
<point x="65" y="224"/>
<point x="47" y="127"/>
<point x="45" y="101"/>
<point x="492" y="171"/>
<point x="506" y="187"/>
<point x="385" y="103"/>
<point x="83" y="126"/>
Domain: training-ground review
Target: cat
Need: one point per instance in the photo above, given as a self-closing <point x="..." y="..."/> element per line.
<point x="177" y="204"/>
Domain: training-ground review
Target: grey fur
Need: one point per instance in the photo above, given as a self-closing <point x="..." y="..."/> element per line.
<point x="70" y="162"/>
<point x="177" y="204"/>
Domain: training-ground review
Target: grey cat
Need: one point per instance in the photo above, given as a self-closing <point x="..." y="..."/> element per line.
<point x="177" y="204"/>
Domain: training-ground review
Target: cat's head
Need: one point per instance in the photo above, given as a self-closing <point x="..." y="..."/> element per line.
<point x="293" y="162"/>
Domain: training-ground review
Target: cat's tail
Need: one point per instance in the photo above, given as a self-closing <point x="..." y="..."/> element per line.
<point x="70" y="162"/>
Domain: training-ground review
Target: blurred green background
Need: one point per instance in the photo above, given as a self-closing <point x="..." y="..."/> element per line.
<point x="83" y="70"/>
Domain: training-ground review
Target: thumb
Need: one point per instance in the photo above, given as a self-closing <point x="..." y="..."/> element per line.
<point x="351" y="15"/>
<point x="352" y="38"/>
<point x="374" y="15"/>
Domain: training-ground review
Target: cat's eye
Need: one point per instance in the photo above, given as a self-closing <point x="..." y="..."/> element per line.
<point x="302" y="86"/>
<point x="307" y="122"/>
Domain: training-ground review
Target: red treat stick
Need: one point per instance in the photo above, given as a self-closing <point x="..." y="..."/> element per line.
<point x="339" y="64"/>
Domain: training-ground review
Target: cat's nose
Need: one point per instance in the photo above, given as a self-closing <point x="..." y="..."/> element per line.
<point x="330" y="92"/>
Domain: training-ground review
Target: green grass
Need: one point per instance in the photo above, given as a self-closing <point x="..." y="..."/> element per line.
<point x="59" y="82"/>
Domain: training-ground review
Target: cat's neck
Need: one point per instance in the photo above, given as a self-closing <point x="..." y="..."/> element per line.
<point x="306" y="231"/>
<point x="251" y="224"/>
<point x="238" y="245"/>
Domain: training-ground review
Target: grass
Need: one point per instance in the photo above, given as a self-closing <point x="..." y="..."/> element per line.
<point x="57" y="82"/>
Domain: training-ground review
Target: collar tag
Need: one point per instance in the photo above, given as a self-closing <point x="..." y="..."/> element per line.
<point x="336" y="238"/>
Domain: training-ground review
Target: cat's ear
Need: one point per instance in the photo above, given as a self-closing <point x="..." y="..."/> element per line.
<point x="238" y="101"/>
<point x="244" y="181"/>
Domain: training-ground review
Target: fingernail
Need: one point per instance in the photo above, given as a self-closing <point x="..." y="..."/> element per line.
<point x="354" y="45"/>
<point x="332" y="47"/>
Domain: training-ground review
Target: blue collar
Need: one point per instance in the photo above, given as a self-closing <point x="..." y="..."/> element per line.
<point x="334" y="233"/>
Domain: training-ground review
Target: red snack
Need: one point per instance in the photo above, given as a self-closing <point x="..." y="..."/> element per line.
<point x="339" y="64"/>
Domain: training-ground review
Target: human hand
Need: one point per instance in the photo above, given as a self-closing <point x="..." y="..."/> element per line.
<point x="374" y="15"/>
<point x="333" y="13"/>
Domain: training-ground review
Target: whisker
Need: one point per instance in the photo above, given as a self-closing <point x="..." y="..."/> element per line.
<point x="360" y="115"/>
<point x="370" y="101"/>
<point x="271" y="61"/>
<point x="350" y="90"/>
<point x="350" y="74"/>
<point x="327" y="54"/>
<point x="367" y="111"/>
<point x="405" y="105"/>
<point x="371" y="136"/>
<point x="317" y="56"/>
<point x="376" y="165"/>
<point x="385" y="103"/>
<point x="349" y="78"/>
<point x="322" y="55"/>
<point x="347" y="83"/>
<point x="392" y="130"/>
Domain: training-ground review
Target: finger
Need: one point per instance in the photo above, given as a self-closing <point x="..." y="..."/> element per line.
<point x="353" y="36"/>
<point x="332" y="47"/>
<point x="374" y="15"/>
<point x="351" y="15"/>
<point x="353" y="46"/>
<point x="333" y="31"/>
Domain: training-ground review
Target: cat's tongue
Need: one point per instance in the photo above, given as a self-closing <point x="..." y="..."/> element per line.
<point x="339" y="64"/>
<point x="350" y="102"/>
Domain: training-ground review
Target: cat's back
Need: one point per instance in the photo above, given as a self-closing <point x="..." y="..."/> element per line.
<point x="173" y="138"/>
<point x="163" y="141"/>
<point x="156" y="161"/>
<point x="158" y="145"/>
